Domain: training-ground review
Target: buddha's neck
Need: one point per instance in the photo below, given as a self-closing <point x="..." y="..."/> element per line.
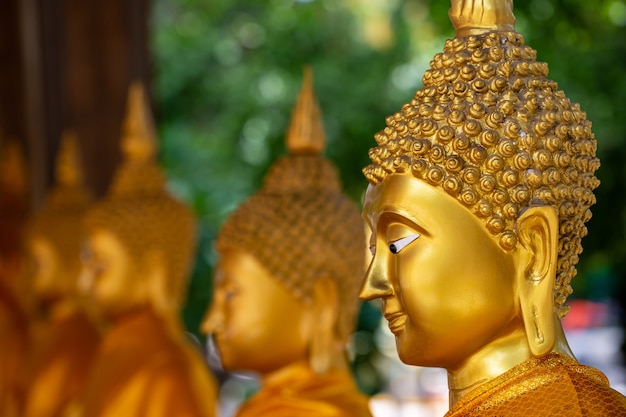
<point x="490" y="361"/>
<point x="296" y="370"/>
<point x="131" y="314"/>
<point x="143" y="316"/>
<point x="63" y="308"/>
<point x="495" y="359"/>
<point x="54" y="309"/>
<point x="288" y="372"/>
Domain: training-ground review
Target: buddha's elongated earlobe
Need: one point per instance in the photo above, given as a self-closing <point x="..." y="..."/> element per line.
<point x="323" y="325"/>
<point x="157" y="283"/>
<point x="538" y="232"/>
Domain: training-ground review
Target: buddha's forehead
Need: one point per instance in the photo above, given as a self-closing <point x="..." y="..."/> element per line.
<point x="411" y="198"/>
<point x="40" y="244"/>
<point x="102" y="238"/>
<point x="238" y="265"/>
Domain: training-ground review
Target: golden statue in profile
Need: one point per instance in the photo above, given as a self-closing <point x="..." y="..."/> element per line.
<point x="139" y="246"/>
<point x="285" y="300"/>
<point x="64" y="338"/>
<point x="479" y="191"/>
<point x="14" y="334"/>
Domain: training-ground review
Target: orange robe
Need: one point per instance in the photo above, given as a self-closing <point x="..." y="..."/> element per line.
<point x="60" y="364"/>
<point x="145" y="368"/>
<point x="555" y="385"/>
<point x="14" y="343"/>
<point x="299" y="392"/>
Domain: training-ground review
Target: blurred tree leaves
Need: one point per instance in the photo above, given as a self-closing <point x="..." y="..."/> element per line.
<point x="227" y="74"/>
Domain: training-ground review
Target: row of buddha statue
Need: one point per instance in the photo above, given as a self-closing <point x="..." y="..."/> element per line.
<point x="479" y="190"/>
<point x="105" y="279"/>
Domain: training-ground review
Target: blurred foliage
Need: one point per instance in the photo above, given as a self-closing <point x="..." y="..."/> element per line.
<point x="227" y="74"/>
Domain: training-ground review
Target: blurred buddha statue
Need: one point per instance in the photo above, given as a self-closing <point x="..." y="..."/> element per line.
<point x="64" y="339"/>
<point x="14" y="335"/>
<point x="291" y="260"/>
<point x="139" y="248"/>
<point x="14" y="212"/>
<point x="479" y="191"/>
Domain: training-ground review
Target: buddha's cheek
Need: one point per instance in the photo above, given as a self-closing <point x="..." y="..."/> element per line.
<point x="236" y="349"/>
<point x="105" y="296"/>
<point x="44" y="267"/>
<point x="226" y="352"/>
<point x="259" y="346"/>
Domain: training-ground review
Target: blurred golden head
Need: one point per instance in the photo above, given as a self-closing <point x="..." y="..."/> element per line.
<point x="54" y="234"/>
<point x="151" y="226"/>
<point x="299" y="225"/>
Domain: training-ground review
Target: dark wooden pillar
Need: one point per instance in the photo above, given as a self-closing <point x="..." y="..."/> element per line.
<point x="11" y="77"/>
<point x="74" y="60"/>
<point x="12" y="123"/>
<point x="106" y="47"/>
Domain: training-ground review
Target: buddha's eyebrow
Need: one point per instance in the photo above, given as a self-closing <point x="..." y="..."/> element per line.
<point x="390" y="214"/>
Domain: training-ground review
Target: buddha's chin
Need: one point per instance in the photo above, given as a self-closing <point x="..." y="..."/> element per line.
<point x="228" y="358"/>
<point x="405" y="356"/>
<point x="47" y="300"/>
<point x="410" y="351"/>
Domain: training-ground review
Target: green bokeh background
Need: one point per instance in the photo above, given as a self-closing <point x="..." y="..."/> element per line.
<point x="227" y="74"/>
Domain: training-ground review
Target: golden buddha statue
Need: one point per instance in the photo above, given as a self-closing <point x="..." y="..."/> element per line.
<point x="285" y="300"/>
<point x="479" y="191"/>
<point x="64" y="338"/>
<point x="14" y="337"/>
<point x="140" y="242"/>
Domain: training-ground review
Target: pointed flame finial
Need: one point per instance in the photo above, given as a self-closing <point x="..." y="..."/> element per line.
<point x="138" y="141"/>
<point x="139" y="173"/>
<point x="306" y="132"/>
<point x="474" y="17"/>
<point x="68" y="163"/>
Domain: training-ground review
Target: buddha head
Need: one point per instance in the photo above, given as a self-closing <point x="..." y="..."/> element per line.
<point x="290" y="261"/>
<point x="479" y="190"/>
<point x="54" y="234"/>
<point x="140" y="239"/>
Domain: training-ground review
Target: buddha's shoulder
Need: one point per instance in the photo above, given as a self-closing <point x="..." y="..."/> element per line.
<point x="594" y="396"/>
<point x="563" y="387"/>
<point x="303" y="406"/>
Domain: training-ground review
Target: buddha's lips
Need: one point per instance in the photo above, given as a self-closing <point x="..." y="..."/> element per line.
<point x="396" y="321"/>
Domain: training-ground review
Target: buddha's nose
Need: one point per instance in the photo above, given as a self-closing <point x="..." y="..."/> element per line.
<point x="213" y="320"/>
<point x="376" y="284"/>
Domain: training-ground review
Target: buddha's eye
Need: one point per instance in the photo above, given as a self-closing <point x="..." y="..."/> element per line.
<point x="99" y="267"/>
<point x="230" y="294"/>
<point x="372" y="242"/>
<point x="397" y="245"/>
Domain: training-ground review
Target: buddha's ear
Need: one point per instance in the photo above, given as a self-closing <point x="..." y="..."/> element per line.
<point x="156" y="275"/>
<point x="537" y="230"/>
<point x="324" y="314"/>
